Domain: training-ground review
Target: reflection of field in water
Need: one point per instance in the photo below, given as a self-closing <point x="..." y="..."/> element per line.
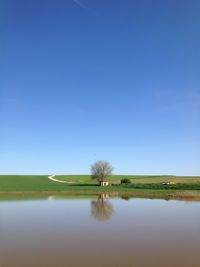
<point x="133" y="232"/>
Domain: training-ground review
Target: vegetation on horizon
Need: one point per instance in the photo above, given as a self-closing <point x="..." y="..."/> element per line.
<point x="144" y="186"/>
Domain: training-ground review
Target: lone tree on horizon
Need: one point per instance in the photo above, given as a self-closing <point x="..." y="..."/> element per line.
<point x="100" y="170"/>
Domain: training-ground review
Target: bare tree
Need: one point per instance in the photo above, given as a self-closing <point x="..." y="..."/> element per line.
<point x="100" y="170"/>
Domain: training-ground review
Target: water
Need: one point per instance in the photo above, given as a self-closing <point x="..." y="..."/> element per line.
<point x="99" y="232"/>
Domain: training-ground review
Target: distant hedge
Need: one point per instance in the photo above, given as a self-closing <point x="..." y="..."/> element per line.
<point x="161" y="186"/>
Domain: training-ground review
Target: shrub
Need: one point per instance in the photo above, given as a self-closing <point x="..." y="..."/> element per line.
<point x="125" y="181"/>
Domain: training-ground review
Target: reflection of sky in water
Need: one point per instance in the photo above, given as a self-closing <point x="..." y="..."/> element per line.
<point x="137" y="232"/>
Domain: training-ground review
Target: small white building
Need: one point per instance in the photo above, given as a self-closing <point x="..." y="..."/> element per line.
<point x="104" y="183"/>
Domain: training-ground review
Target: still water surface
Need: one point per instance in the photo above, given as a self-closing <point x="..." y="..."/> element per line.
<point x="99" y="232"/>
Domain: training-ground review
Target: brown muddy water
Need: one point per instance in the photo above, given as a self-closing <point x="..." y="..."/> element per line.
<point x="99" y="232"/>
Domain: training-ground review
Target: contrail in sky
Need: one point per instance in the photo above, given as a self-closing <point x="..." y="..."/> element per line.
<point x="80" y="4"/>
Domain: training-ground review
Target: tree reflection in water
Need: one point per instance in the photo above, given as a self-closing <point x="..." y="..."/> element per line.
<point x="102" y="209"/>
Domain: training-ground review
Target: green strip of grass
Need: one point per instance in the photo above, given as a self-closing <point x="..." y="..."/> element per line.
<point x="136" y="179"/>
<point x="82" y="185"/>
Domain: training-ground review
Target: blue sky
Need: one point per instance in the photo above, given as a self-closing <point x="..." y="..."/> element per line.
<point x="88" y="80"/>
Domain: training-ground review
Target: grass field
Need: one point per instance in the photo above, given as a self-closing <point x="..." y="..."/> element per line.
<point x="149" y="186"/>
<point x="135" y="179"/>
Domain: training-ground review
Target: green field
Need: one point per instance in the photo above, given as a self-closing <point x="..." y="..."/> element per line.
<point x="150" y="186"/>
<point x="135" y="179"/>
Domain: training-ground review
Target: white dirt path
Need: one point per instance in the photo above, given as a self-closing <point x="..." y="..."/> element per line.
<point x="56" y="180"/>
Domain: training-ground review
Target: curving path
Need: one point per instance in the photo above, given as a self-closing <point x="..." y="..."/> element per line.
<point x="56" y="180"/>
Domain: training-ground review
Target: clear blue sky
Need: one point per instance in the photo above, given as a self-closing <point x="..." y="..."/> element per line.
<point x="113" y="79"/>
